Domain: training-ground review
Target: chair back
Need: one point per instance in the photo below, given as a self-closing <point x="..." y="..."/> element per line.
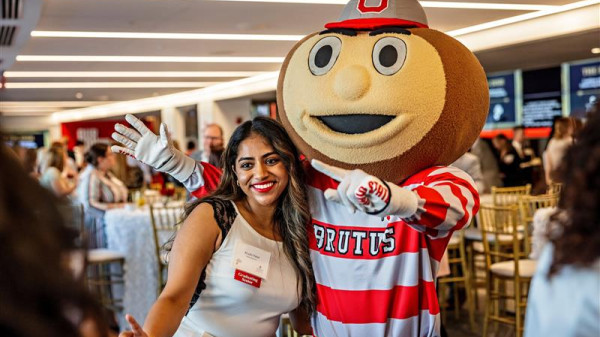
<point x="504" y="196"/>
<point x="500" y="234"/>
<point x="165" y="219"/>
<point x="554" y="188"/>
<point x="165" y="222"/>
<point x="528" y="205"/>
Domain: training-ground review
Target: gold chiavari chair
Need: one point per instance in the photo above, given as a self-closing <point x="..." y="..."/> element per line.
<point x="528" y="205"/>
<point x="554" y="188"/>
<point x="504" y="266"/>
<point x="504" y="196"/>
<point x="459" y="276"/>
<point x="501" y="196"/>
<point x="165" y="222"/>
<point x="286" y="329"/>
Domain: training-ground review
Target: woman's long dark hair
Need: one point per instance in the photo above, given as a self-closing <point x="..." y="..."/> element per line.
<point x="39" y="294"/>
<point x="292" y="215"/>
<point x="578" y="240"/>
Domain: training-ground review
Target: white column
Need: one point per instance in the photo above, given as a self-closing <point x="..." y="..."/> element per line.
<point x="176" y="124"/>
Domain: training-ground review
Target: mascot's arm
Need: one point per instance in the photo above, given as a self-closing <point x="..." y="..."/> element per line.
<point x="159" y="153"/>
<point x="444" y="199"/>
<point x="447" y="201"/>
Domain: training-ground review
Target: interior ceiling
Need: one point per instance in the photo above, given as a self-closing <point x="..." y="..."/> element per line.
<point x="205" y="16"/>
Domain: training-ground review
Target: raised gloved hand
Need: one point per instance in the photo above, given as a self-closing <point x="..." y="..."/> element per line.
<point x="157" y="152"/>
<point x="367" y="193"/>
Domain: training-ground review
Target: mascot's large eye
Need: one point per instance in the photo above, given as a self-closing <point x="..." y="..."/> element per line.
<point x="323" y="55"/>
<point x="389" y="54"/>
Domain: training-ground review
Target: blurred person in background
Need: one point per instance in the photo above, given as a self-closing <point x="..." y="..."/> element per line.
<point x="190" y="148"/>
<point x="70" y="169"/>
<point x="213" y="146"/>
<point x="99" y="190"/>
<point x="31" y="163"/>
<point x="52" y="177"/>
<point x="557" y="146"/>
<point x="521" y="144"/>
<point x="40" y="296"/>
<point x="489" y="164"/>
<point x="564" y="297"/>
<point x="469" y="163"/>
<point x="79" y="154"/>
<point x="509" y="161"/>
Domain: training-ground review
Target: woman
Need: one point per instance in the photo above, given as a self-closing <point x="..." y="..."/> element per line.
<point x="99" y="190"/>
<point x="564" y="298"/>
<point x="557" y="146"/>
<point x="509" y="162"/>
<point x="52" y="177"/>
<point x="259" y="206"/>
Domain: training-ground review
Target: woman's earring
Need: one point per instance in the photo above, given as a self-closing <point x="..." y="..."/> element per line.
<point x="238" y="183"/>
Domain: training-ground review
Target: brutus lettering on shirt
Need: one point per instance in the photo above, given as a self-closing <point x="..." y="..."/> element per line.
<point x="359" y="242"/>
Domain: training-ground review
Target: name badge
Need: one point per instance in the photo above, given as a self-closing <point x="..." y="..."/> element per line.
<point x="251" y="260"/>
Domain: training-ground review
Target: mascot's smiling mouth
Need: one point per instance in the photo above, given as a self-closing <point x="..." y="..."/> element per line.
<point x="355" y="124"/>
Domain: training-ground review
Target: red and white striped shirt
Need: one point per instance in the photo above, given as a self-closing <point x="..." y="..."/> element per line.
<point x="376" y="276"/>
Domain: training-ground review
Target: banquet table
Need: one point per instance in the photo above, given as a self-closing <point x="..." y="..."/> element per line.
<point x="129" y="231"/>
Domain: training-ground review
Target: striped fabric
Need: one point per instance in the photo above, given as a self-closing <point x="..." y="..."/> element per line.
<point x="376" y="276"/>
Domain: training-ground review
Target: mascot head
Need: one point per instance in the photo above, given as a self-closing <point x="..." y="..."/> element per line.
<point x="381" y="92"/>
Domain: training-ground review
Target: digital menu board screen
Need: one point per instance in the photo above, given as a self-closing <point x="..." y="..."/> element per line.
<point x="583" y="86"/>
<point x="541" y="97"/>
<point x="502" y="100"/>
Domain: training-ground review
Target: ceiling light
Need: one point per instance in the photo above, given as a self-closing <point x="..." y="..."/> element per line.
<point x="175" y="36"/>
<point x="47" y="104"/>
<point x="429" y="4"/>
<point x="54" y="74"/>
<point x="190" y="59"/>
<point x="523" y="17"/>
<point x="596" y="50"/>
<point x="225" y="90"/>
<point x="76" y="85"/>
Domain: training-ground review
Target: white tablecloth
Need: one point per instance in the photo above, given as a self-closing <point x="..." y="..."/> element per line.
<point x="130" y="232"/>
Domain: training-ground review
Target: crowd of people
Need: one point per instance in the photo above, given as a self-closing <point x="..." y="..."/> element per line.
<point x="265" y="151"/>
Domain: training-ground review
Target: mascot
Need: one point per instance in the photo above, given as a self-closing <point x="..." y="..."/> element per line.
<point x="380" y="104"/>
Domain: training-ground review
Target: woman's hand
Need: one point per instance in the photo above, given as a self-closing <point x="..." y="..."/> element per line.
<point x="136" y="329"/>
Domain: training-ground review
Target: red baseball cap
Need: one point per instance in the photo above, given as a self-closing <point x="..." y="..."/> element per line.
<point x="374" y="14"/>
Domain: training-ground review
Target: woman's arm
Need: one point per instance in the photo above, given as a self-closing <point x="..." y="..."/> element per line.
<point x="192" y="250"/>
<point x="300" y="321"/>
<point x="62" y="187"/>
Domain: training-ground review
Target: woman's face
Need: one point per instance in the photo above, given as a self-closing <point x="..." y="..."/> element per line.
<point x="107" y="162"/>
<point x="260" y="171"/>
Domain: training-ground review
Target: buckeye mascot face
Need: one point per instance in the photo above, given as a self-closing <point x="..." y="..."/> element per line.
<point x="381" y="92"/>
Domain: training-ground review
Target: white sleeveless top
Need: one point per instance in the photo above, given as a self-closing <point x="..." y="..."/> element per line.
<point x="230" y="308"/>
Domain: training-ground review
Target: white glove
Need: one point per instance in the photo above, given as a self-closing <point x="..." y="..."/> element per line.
<point x="157" y="152"/>
<point x="367" y="193"/>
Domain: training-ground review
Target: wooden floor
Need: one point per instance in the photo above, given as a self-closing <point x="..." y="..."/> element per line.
<point x="461" y="328"/>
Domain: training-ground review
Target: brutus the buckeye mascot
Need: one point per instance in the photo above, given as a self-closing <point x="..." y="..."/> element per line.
<point x="381" y="104"/>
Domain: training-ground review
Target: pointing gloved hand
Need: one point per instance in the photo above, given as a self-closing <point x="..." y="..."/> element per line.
<point x="157" y="152"/>
<point x="367" y="193"/>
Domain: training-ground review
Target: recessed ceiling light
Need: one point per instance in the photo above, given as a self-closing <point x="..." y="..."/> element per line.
<point x="129" y="74"/>
<point x="190" y="59"/>
<point x="430" y="4"/>
<point x="69" y="85"/>
<point x="596" y="50"/>
<point x="523" y="17"/>
<point x="79" y="95"/>
<point x="50" y="104"/>
<point x="174" y="36"/>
